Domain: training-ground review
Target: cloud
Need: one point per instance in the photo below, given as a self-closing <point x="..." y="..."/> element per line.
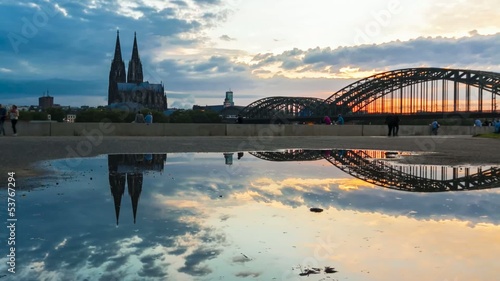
<point x="245" y="274"/>
<point x="466" y="52"/>
<point x="458" y="18"/>
<point x="226" y="38"/>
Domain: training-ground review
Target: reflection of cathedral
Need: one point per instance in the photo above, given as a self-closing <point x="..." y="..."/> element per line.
<point x="129" y="168"/>
<point x="130" y="87"/>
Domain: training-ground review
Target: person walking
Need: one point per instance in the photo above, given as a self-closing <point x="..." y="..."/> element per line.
<point x="389" y="120"/>
<point x="434" y="127"/>
<point x="149" y="118"/>
<point x="139" y="118"/>
<point x="395" y="125"/>
<point x="14" y="116"/>
<point x="497" y="126"/>
<point x="3" y="117"/>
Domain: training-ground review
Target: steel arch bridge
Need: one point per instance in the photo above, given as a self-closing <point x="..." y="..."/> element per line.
<point x="287" y="108"/>
<point x="413" y="178"/>
<point x="403" y="91"/>
<point x="415" y="90"/>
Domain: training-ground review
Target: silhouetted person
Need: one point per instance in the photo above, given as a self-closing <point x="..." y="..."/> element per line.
<point x="389" y="120"/>
<point x="139" y="118"/>
<point x="240" y="119"/>
<point x="395" y="125"/>
<point x="3" y="117"/>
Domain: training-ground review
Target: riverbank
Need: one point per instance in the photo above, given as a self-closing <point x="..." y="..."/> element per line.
<point x="19" y="154"/>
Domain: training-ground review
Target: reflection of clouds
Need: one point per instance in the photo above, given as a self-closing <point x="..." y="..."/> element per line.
<point x="355" y="194"/>
<point x="193" y="265"/>
<point x="240" y="259"/>
<point x="62" y="244"/>
<point x="188" y="232"/>
<point x="436" y="246"/>
<point x="245" y="274"/>
<point x="272" y="186"/>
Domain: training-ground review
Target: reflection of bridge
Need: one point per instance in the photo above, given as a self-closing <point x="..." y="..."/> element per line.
<point x="424" y="92"/>
<point x="367" y="166"/>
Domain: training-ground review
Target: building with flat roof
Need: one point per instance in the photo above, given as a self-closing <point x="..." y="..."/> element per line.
<point x="45" y="101"/>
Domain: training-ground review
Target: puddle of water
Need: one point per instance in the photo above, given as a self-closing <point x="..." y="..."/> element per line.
<point x="247" y="216"/>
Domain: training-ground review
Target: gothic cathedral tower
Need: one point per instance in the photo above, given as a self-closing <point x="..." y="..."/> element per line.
<point x="117" y="72"/>
<point x="134" y="73"/>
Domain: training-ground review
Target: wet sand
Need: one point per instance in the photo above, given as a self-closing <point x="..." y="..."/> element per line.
<point x="20" y="154"/>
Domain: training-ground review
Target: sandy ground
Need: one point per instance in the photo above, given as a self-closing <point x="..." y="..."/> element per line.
<point x="20" y="154"/>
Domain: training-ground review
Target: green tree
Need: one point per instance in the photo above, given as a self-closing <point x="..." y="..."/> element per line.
<point x="56" y="114"/>
<point x="180" y="116"/>
<point x="28" y="115"/>
<point x="194" y="116"/>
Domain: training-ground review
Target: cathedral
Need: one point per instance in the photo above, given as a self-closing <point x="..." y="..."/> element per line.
<point x="129" y="88"/>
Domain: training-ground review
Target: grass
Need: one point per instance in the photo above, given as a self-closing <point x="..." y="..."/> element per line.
<point x="489" y="135"/>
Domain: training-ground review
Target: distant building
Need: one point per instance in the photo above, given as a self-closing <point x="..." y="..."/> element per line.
<point x="45" y="101"/>
<point x="228" y="157"/>
<point x="70" y="118"/>
<point x="228" y="101"/>
<point x="129" y="87"/>
<point x="228" y="111"/>
<point x="35" y="108"/>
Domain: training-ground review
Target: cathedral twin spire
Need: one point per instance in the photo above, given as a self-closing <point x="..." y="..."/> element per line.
<point x="134" y="73"/>
<point x="135" y="65"/>
<point x="128" y="87"/>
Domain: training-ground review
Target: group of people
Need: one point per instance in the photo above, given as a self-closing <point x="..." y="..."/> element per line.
<point x="495" y="123"/>
<point x="393" y="120"/>
<point x="13" y="116"/>
<point x="328" y="121"/>
<point x="140" y="118"/>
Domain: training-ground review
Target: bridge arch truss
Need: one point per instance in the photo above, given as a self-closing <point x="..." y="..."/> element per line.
<point x="361" y="164"/>
<point x="288" y="108"/>
<point x="416" y="90"/>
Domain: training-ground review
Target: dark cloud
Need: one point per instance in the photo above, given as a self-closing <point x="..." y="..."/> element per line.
<point x="207" y="2"/>
<point x="466" y="52"/>
<point x="150" y="268"/>
<point x="226" y="38"/>
<point x="245" y="274"/>
<point x="193" y="265"/>
<point x="240" y="259"/>
<point x="179" y="251"/>
<point x="179" y="3"/>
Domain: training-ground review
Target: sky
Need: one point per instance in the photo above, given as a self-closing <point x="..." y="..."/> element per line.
<point x="199" y="49"/>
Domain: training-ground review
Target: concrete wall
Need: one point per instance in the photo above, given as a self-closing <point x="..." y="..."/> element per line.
<point x="168" y="129"/>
